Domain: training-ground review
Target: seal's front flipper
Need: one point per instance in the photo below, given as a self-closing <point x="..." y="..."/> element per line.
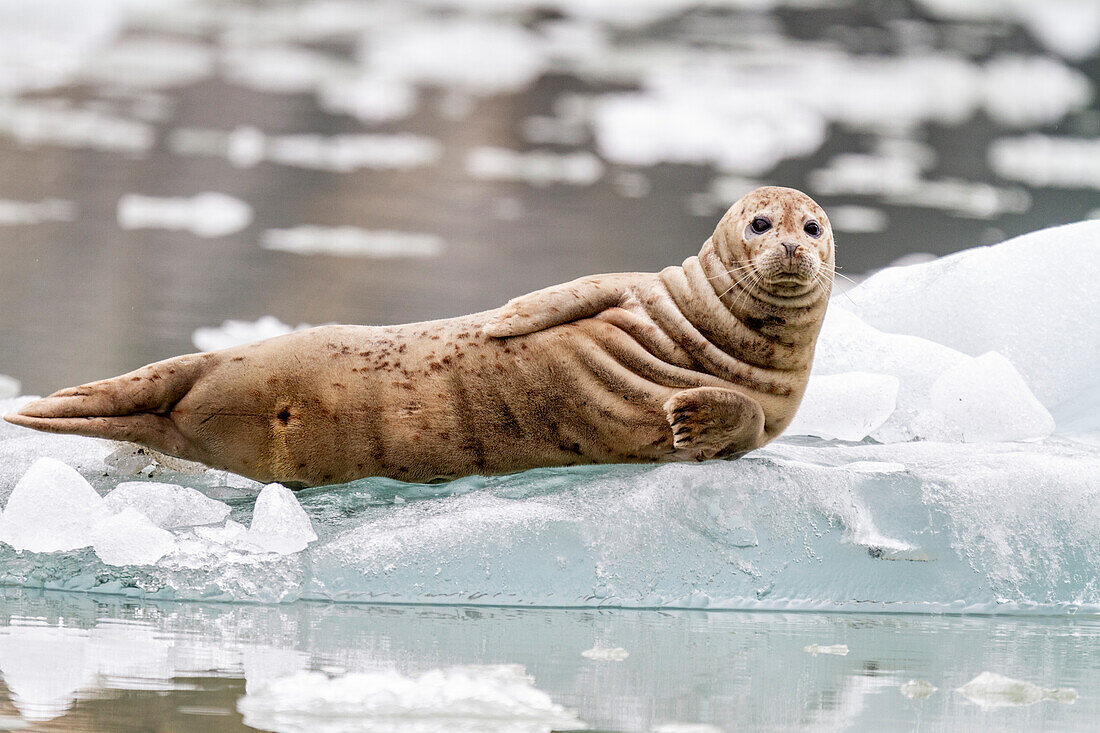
<point x="134" y="407"/>
<point x="560" y="304"/>
<point x="711" y="421"/>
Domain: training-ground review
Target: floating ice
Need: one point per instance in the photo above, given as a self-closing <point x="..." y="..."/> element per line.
<point x="840" y="650"/>
<point x="9" y="387"/>
<point x="606" y="654"/>
<point x="1015" y="298"/>
<point x="56" y="122"/>
<point x="352" y="242"/>
<point x="52" y="509"/>
<point x="368" y="97"/>
<point x="848" y="406"/>
<point x="205" y="215"/>
<point x="685" y="728"/>
<point x="1053" y="89"/>
<point x="987" y="399"/>
<point x="167" y="506"/>
<point x="247" y="146"/>
<point x="35" y="212"/>
<point x="149" y="62"/>
<point x="472" y="699"/>
<point x="992" y="690"/>
<point x="129" y="538"/>
<point x="234" y="333"/>
<point x="280" y="69"/>
<point x="480" y="57"/>
<point x="918" y="689"/>
<point x="539" y="167"/>
<point x="279" y="524"/>
<point x="857" y="219"/>
<point x="1042" y="160"/>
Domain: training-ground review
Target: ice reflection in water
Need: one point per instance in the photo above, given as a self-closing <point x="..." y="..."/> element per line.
<point x="91" y="664"/>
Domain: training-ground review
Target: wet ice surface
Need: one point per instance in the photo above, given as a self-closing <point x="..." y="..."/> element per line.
<point x="88" y="664"/>
<point x="975" y="492"/>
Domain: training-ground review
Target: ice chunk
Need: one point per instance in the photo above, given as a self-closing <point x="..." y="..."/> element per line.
<point x="479" y="57"/>
<point x="988" y="400"/>
<point x="858" y="219"/>
<point x="52" y="509"/>
<point x="846" y="406"/>
<point x="369" y="97"/>
<point x="234" y="333"/>
<point x="279" y="524"/>
<point x="168" y="506"/>
<point x="1016" y="298"/>
<point x="9" y="387"/>
<point x="992" y="690"/>
<point x="129" y="538"/>
<point x="150" y="63"/>
<point x="606" y="654"/>
<point x="352" y="242"/>
<point x="205" y="215"/>
<point x="1055" y="88"/>
<point x="488" y="699"/>
<point x="281" y="69"/>
<point x="35" y="212"/>
<point x="538" y="167"/>
<point x="685" y="728"/>
<point x="40" y="122"/>
<point x="1042" y="160"/>
<point x="847" y="344"/>
<point x="840" y="650"/>
<point x="917" y="689"/>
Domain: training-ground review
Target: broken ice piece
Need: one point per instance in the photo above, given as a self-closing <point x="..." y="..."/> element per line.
<point x="51" y="509"/>
<point x="608" y="654"/>
<point x="918" y="689"/>
<point x="846" y="406"/>
<point x="128" y="459"/>
<point x="129" y="538"/>
<point x="279" y="524"/>
<point x="167" y="505"/>
<point x="206" y="215"/>
<point x="992" y="690"/>
<point x="990" y="402"/>
<point x="841" y="650"/>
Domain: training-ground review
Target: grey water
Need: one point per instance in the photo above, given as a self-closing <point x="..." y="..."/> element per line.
<point x="128" y="665"/>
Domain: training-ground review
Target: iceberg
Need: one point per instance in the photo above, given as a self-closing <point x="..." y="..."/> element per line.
<point x="943" y="471"/>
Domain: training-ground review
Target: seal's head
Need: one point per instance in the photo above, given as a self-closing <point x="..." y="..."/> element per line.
<point x="777" y="240"/>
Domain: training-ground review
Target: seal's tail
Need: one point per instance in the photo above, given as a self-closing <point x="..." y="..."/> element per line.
<point x="133" y="407"/>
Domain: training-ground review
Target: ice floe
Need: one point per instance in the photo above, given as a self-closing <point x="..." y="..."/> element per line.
<point x="839" y="650"/>
<point x="992" y="690"/>
<point x="481" y="699"/>
<point x="35" y="212"/>
<point x="917" y="689"/>
<point x="247" y="146"/>
<point x="204" y="215"/>
<point x="606" y="654"/>
<point x="9" y="387"/>
<point x="236" y="332"/>
<point x="1043" y="160"/>
<point x="350" y="241"/>
<point x="149" y="62"/>
<point x="537" y="167"/>
<point x="57" y="122"/>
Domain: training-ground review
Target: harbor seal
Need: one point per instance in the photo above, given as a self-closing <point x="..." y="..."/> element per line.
<point x="707" y="359"/>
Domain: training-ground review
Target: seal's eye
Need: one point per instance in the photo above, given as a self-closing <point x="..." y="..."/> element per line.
<point x="760" y="225"/>
<point x="813" y="229"/>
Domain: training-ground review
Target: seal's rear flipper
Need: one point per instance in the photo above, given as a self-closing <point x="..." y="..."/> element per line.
<point x="134" y="407"/>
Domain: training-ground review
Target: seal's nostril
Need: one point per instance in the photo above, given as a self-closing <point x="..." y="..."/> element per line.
<point x="791" y="249"/>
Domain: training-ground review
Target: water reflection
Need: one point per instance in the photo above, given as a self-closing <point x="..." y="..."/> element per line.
<point x="70" y="662"/>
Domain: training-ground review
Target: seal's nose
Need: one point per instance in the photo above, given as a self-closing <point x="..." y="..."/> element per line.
<point x="791" y="249"/>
